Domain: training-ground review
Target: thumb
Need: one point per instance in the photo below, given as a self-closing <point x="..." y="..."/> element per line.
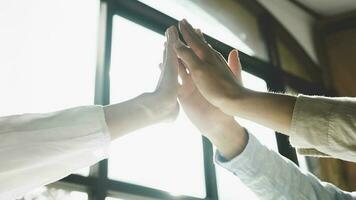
<point x="234" y="64"/>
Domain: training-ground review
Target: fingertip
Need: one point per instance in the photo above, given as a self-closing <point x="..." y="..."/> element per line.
<point x="234" y="53"/>
<point x="173" y="33"/>
<point x="237" y="52"/>
<point x="180" y="25"/>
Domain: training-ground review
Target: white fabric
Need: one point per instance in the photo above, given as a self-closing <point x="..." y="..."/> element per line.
<point x="271" y="176"/>
<point x="325" y="124"/>
<point x="37" y="149"/>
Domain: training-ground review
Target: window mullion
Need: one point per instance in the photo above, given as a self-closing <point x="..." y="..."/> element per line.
<point x="102" y="90"/>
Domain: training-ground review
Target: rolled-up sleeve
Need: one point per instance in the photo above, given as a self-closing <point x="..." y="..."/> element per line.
<point x="325" y="124"/>
<point x="37" y="149"/>
<point x="271" y="176"/>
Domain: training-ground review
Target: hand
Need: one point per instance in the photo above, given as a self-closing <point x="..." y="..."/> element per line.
<point x="221" y="129"/>
<point x="149" y="108"/>
<point x="209" y="70"/>
<point x="165" y="95"/>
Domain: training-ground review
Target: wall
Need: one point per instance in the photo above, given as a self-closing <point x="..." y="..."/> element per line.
<point x="340" y="48"/>
<point x="225" y="20"/>
<point x="299" y="23"/>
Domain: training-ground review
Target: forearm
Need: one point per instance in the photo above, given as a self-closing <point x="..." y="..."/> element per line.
<point x="142" y="111"/>
<point x="269" y="109"/>
<point x="230" y="139"/>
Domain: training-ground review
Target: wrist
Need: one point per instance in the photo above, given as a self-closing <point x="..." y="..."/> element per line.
<point x="230" y="141"/>
<point x="235" y="102"/>
<point x="160" y="107"/>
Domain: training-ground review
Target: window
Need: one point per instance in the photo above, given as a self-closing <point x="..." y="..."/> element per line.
<point x="50" y="65"/>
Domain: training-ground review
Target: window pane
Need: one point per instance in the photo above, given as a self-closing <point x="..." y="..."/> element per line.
<point x="166" y="156"/>
<point x="227" y="21"/>
<point x="83" y="172"/>
<point x="47" y="54"/>
<point x="229" y="186"/>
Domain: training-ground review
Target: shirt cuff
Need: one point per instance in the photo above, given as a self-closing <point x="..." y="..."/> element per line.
<point x="244" y="160"/>
<point x="310" y="121"/>
<point x="106" y="136"/>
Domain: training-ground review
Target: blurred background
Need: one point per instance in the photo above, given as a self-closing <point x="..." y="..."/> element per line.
<point x="56" y="54"/>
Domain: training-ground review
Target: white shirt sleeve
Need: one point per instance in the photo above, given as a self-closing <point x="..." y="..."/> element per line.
<point x="325" y="124"/>
<point x="271" y="176"/>
<point x="37" y="149"/>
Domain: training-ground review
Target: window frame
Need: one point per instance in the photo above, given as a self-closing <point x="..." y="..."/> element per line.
<point x="97" y="184"/>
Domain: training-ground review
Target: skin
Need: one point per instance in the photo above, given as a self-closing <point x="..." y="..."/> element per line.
<point x="221" y="129"/>
<point x="212" y="93"/>
<point x="149" y="108"/>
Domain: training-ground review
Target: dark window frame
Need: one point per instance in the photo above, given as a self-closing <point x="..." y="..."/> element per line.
<point x="97" y="184"/>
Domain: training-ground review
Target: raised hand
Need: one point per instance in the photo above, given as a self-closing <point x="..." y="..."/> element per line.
<point x="209" y="70"/>
<point x="167" y="87"/>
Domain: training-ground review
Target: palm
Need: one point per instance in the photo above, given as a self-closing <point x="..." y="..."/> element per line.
<point x="167" y="86"/>
<point x="202" y="113"/>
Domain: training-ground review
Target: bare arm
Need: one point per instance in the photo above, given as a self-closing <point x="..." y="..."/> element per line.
<point x="269" y="109"/>
<point x="142" y="111"/>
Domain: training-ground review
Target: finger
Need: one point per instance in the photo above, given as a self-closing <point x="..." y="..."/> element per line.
<point x="182" y="71"/>
<point x="172" y="37"/>
<point x="200" y="34"/>
<point x="181" y="94"/>
<point x="234" y="64"/>
<point x="169" y="74"/>
<point x="186" y="54"/>
<point x="193" y="40"/>
<point x="164" y="53"/>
